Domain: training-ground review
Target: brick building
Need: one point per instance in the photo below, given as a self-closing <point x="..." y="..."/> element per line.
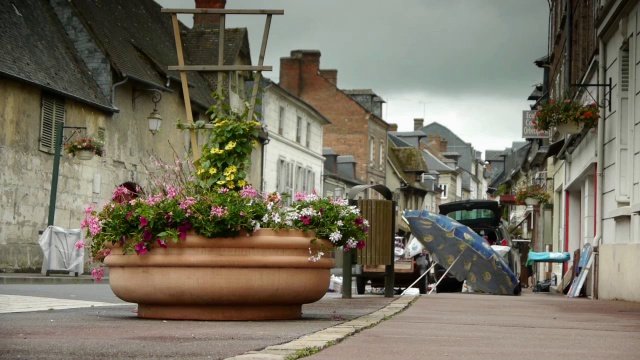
<point x="356" y="125"/>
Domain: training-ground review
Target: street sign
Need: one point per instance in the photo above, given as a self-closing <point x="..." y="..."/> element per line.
<point x="529" y="130"/>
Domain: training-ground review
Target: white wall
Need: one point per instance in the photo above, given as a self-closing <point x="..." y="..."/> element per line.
<point x="285" y="146"/>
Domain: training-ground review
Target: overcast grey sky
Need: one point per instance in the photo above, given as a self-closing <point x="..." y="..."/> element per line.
<point x="467" y="64"/>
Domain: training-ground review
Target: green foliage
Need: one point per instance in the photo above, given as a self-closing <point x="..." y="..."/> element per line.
<point x="226" y="157"/>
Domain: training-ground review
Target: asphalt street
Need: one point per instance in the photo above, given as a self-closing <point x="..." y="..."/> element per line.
<point x="435" y="326"/>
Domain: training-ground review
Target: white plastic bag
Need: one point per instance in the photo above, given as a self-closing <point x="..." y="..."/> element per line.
<point x="414" y="247"/>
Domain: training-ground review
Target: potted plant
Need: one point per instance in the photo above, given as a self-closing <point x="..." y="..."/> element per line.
<point x="566" y="116"/>
<point x="203" y="244"/>
<point x="84" y="148"/>
<point x="532" y="195"/>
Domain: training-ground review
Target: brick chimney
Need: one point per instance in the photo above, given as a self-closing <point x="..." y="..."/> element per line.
<point x="393" y="127"/>
<point x="208" y="21"/>
<point x="331" y="75"/>
<point x="293" y="69"/>
<point x="418" y="124"/>
<point x="443" y="145"/>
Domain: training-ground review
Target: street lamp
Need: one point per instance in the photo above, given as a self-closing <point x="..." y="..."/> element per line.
<point x="56" y="165"/>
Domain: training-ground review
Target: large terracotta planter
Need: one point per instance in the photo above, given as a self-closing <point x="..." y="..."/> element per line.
<point x="265" y="276"/>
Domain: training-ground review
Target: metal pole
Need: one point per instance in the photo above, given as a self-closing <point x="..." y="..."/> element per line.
<point x="346" y="274"/>
<point x="54" y="175"/>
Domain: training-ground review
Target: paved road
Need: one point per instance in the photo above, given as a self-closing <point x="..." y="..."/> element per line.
<point x="112" y="330"/>
<point x="436" y="326"/>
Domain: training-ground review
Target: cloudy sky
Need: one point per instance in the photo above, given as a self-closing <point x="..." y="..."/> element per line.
<point x="465" y="64"/>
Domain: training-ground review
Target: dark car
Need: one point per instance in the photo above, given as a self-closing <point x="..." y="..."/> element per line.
<point x="484" y="218"/>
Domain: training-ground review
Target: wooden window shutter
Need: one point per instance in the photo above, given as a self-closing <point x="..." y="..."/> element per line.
<point x="53" y="111"/>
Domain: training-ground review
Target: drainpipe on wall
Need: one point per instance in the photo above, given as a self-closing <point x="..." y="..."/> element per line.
<point x="568" y="57"/>
<point x="597" y="240"/>
<point x="113" y="90"/>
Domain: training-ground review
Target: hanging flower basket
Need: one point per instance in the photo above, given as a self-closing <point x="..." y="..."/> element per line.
<point x="84" y="148"/>
<point x="531" y="194"/>
<point x="566" y="116"/>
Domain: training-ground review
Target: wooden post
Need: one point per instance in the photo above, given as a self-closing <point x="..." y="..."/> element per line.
<point x="185" y="87"/>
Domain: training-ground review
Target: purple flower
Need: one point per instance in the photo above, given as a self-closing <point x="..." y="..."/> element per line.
<point x="305" y="219"/>
<point x="143" y="221"/>
<point x="182" y="235"/>
<point x="147" y="235"/>
<point x="161" y="243"/>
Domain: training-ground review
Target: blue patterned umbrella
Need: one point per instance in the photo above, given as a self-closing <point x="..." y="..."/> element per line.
<point x="468" y="255"/>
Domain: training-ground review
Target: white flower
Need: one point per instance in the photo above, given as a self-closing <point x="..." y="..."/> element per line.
<point x="335" y="236"/>
<point x="276" y="218"/>
<point x="339" y="223"/>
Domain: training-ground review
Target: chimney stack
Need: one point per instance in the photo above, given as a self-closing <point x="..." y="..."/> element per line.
<point x="393" y="127"/>
<point x="331" y="75"/>
<point x="208" y="21"/>
<point x="418" y="124"/>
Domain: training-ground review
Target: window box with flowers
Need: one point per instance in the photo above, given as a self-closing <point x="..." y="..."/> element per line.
<point x="567" y="116"/>
<point x="533" y="195"/>
<point x="84" y="148"/>
<point x="204" y="233"/>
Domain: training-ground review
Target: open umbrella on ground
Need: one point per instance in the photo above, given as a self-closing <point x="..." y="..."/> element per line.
<point x="466" y="255"/>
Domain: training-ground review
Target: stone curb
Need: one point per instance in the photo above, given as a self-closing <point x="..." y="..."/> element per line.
<point x="322" y="339"/>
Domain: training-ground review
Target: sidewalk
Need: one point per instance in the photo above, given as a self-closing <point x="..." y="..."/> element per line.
<point x="37" y="278"/>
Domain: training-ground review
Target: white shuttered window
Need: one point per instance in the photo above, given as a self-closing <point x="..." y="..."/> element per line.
<point x="52" y="113"/>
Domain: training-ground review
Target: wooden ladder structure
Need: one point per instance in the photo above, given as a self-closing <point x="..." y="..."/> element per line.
<point x="220" y="68"/>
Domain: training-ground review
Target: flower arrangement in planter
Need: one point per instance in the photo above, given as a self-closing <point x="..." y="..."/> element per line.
<point x="535" y="192"/>
<point x="212" y="198"/>
<point x="201" y="227"/>
<point x="566" y="112"/>
<point x="85" y="145"/>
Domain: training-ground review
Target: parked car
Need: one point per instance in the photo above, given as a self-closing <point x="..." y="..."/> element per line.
<point x="484" y="218"/>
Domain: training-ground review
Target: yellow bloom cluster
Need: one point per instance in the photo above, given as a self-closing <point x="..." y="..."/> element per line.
<point x="217" y="151"/>
<point x="230" y="145"/>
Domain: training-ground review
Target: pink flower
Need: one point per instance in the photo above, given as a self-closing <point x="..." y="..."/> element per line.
<point x="248" y="192"/>
<point x="361" y="244"/>
<point x="97" y="274"/>
<point x="143" y="221"/>
<point x="88" y="210"/>
<point x="141" y="248"/>
<point x="79" y="244"/>
<point x="300" y="196"/>
<point x="218" y="211"/>
<point x="161" y="243"/>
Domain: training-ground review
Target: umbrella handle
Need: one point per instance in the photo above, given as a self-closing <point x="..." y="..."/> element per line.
<point x="420" y="277"/>
<point x="446" y="272"/>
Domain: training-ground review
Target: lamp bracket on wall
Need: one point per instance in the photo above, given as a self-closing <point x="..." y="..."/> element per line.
<point x="136" y="93"/>
<point x="606" y="102"/>
<point x="80" y="130"/>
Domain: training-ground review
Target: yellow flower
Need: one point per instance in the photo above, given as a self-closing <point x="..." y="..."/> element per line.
<point x="220" y="182"/>
<point x="230" y="145"/>
<point x="231" y="177"/>
<point x="216" y="151"/>
<point x="221" y="123"/>
<point x="200" y="171"/>
<point x="230" y="184"/>
<point x="242" y="183"/>
<point x="212" y="171"/>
